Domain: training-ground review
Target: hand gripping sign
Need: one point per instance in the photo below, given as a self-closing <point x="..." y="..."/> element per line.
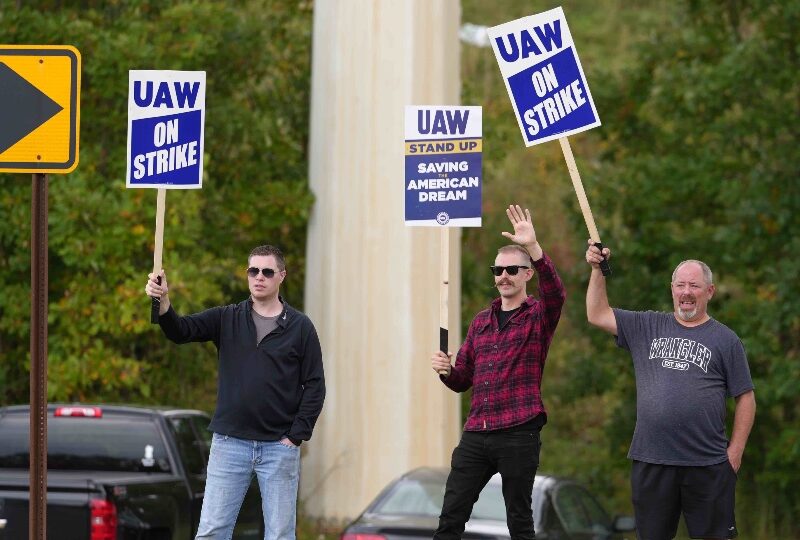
<point x="166" y="116"/>
<point x="548" y="89"/>
<point x="443" y="179"/>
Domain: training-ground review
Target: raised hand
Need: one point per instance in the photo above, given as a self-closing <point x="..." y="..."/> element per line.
<point x="594" y="256"/>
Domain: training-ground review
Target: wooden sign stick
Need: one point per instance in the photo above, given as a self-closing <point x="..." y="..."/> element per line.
<point x="584" y="203"/>
<point x="443" y="297"/>
<point x="159" y="244"/>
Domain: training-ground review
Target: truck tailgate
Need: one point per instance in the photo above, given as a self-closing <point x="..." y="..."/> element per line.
<point x="67" y="506"/>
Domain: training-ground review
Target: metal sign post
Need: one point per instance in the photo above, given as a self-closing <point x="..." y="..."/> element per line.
<point x="38" y="377"/>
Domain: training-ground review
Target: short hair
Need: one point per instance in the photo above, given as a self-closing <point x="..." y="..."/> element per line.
<point x="707" y="275"/>
<point x="266" y="250"/>
<point x="510" y="248"/>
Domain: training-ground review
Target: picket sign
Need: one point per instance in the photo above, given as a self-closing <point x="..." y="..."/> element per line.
<point x="166" y="118"/>
<point x="443" y="177"/>
<point x="548" y="89"/>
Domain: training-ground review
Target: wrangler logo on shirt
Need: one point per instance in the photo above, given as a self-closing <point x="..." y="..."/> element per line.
<point x="678" y="353"/>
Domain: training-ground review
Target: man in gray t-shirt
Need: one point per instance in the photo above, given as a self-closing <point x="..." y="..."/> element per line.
<point x="687" y="364"/>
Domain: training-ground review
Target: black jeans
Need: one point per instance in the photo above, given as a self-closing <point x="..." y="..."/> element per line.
<point x="515" y="455"/>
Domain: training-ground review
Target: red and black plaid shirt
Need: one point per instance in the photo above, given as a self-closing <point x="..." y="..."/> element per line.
<point x="504" y="365"/>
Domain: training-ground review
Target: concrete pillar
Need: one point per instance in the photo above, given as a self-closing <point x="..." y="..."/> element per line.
<point x="372" y="284"/>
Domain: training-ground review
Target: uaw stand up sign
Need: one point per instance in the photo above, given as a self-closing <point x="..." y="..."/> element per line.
<point x="443" y="179"/>
<point x="443" y="166"/>
<point x="166" y="117"/>
<point x="548" y="89"/>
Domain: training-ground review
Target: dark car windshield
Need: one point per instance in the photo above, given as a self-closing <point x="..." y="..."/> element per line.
<point x="108" y="443"/>
<point x="420" y="498"/>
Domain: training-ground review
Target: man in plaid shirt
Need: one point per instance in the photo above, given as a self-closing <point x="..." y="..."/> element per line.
<point x="502" y="360"/>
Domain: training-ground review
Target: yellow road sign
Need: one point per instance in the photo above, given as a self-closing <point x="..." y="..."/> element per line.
<point x="39" y="108"/>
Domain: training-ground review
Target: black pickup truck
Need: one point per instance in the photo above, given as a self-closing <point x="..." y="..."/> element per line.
<point x="114" y="473"/>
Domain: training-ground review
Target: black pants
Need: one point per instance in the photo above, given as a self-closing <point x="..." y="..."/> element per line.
<point x="515" y="455"/>
<point x="705" y="495"/>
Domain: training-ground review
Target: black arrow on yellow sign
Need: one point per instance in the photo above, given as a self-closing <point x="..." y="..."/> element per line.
<point x="23" y="107"/>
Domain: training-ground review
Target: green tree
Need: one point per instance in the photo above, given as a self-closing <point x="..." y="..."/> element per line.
<point x="101" y="346"/>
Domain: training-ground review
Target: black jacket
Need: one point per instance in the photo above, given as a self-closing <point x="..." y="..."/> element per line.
<point x="266" y="391"/>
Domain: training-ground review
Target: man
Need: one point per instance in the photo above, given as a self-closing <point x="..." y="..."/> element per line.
<point x="502" y="359"/>
<point x="270" y="393"/>
<point x="686" y="364"/>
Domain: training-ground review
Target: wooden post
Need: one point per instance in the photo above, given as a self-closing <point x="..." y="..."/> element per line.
<point x="583" y="201"/>
<point x="444" y="266"/>
<point x="159" y="244"/>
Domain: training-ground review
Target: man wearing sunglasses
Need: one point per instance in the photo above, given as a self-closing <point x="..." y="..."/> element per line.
<point x="502" y="360"/>
<point x="270" y="393"/>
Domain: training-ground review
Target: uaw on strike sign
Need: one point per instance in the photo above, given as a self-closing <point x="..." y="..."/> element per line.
<point x="166" y="113"/>
<point x="543" y="76"/>
<point x="443" y="166"/>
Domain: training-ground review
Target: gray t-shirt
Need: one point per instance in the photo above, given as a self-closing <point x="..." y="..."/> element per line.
<point x="264" y="325"/>
<point x="683" y="377"/>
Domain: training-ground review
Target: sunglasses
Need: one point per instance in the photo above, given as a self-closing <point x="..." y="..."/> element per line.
<point x="511" y="270"/>
<point x="269" y="273"/>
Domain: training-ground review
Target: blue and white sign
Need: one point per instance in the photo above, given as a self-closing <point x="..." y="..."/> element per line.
<point x="443" y="166"/>
<point x="166" y="117"/>
<point x="543" y="76"/>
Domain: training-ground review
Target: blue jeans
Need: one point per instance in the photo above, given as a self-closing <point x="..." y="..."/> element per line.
<point x="231" y="465"/>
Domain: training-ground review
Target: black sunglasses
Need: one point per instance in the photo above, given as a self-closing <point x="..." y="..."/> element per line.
<point x="512" y="270"/>
<point x="269" y="273"/>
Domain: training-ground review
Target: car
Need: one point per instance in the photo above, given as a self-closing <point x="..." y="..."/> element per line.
<point x="408" y="509"/>
<point x="114" y="472"/>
